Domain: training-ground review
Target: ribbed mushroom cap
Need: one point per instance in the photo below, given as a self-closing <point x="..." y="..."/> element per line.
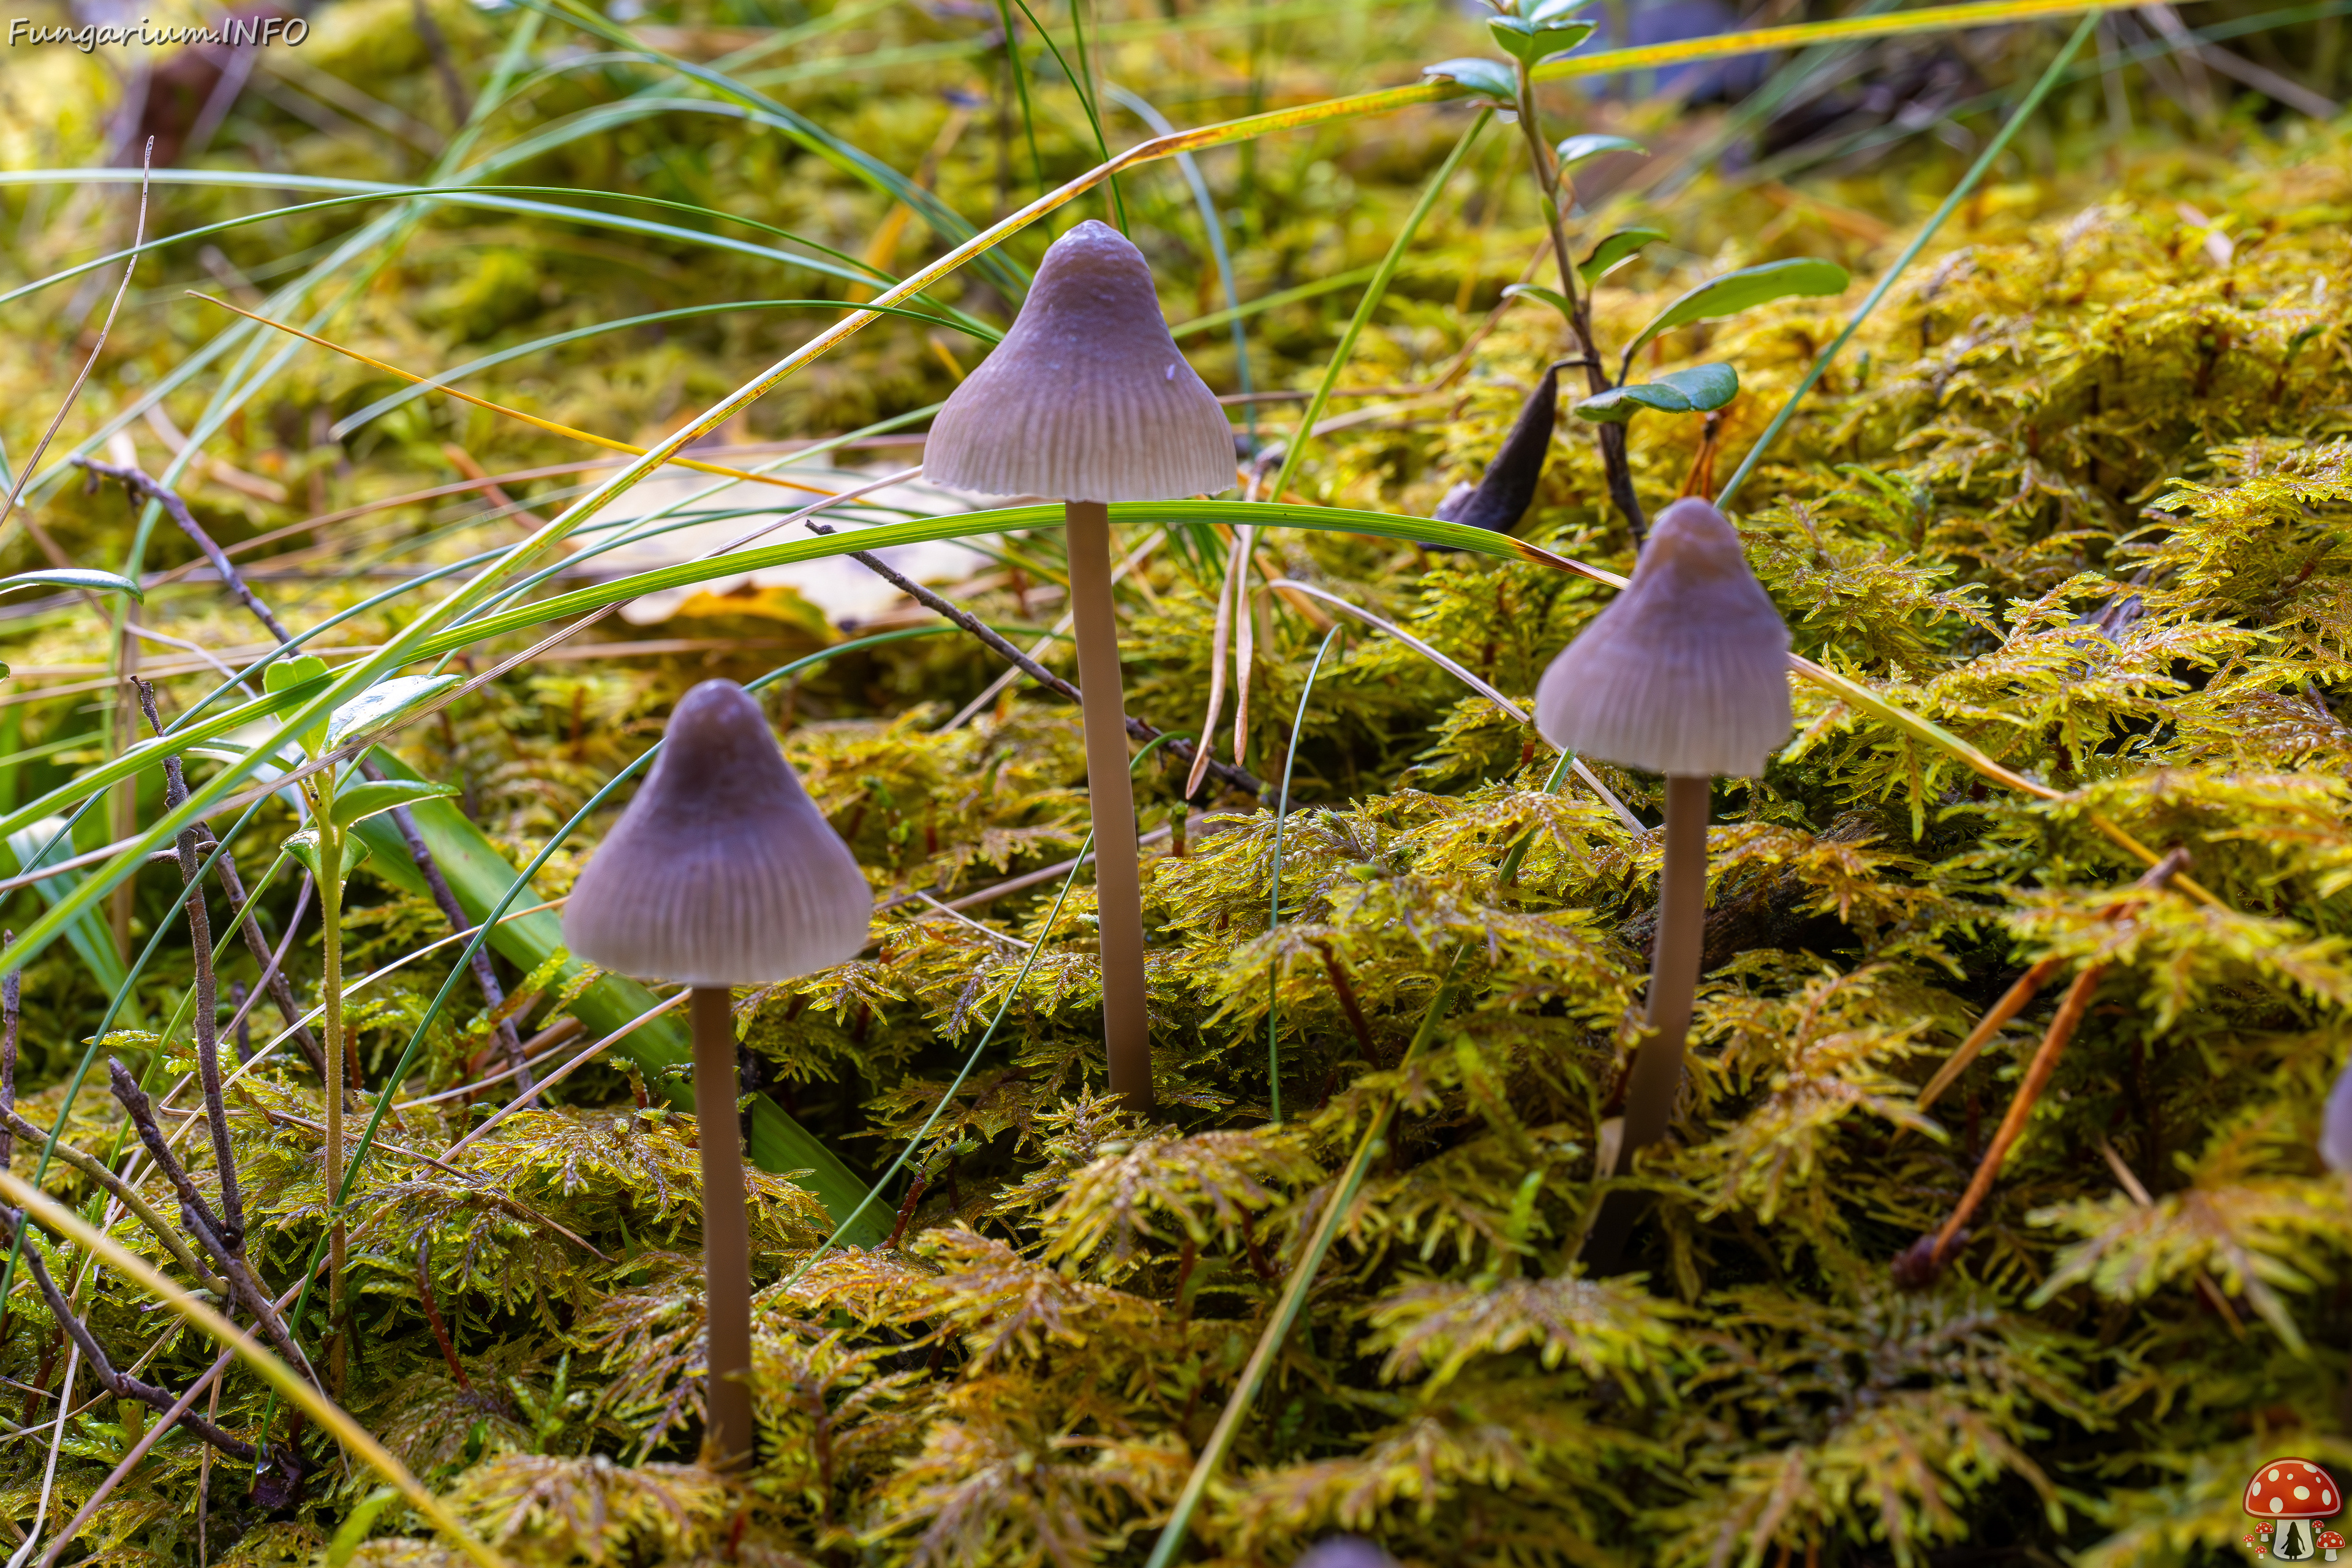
<point x="1086" y="398"/>
<point x="1687" y="673"/>
<point x="722" y="871"/>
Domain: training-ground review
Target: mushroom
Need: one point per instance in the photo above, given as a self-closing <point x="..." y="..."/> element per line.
<point x="1685" y="674"/>
<point x="721" y="872"/>
<point x="2330" y="1542"/>
<point x="1087" y="401"/>
<point x="2335" y="1125"/>
<point x="2293" y="1496"/>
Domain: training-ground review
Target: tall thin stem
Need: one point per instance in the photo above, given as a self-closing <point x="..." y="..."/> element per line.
<point x="1118" y="887"/>
<point x="330" y="1029"/>
<point x="1610" y="434"/>
<point x="726" y="1230"/>
<point x="1657" y="1072"/>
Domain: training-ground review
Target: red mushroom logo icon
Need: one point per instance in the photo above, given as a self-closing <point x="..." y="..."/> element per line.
<point x="2330" y="1544"/>
<point x="2293" y="1496"/>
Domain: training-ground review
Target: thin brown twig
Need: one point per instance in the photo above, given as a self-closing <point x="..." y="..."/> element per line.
<point x="486" y="978"/>
<point x="12" y="995"/>
<point x="16" y="1124"/>
<point x="208" y="985"/>
<point x="123" y="1385"/>
<point x="2014" y="999"/>
<point x="273" y="963"/>
<point x="135" y="480"/>
<point x="1919" y="1264"/>
<point x="201" y="1220"/>
<point x="154" y="1433"/>
<point x="1348" y="1002"/>
<point x="73" y="392"/>
<point x="433" y="1309"/>
<point x="147" y="1439"/>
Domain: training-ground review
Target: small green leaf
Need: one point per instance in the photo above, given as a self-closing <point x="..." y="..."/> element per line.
<point x="304" y="847"/>
<point x="1491" y="79"/>
<point x="287" y="672"/>
<point x="385" y="701"/>
<point x="1551" y="297"/>
<point x="1615" y="250"/>
<point x="356" y="803"/>
<point x="293" y="671"/>
<point x="1619" y="403"/>
<point x="1531" y="40"/>
<point x="1745" y="290"/>
<point x="72" y="578"/>
<point x="354" y="1528"/>
<point x="1687" y="391"/>
<point x="1705" y="386"/>
<point x="1575" y="149"/>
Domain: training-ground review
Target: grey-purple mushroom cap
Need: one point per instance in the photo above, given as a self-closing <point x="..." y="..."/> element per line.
<point x="722" y="871"/>
<point x="1345" y="1552"/>
<point x="2335" y="1125"/>
<point x="1687" y="671"/>
<point x="1087" y="397"/>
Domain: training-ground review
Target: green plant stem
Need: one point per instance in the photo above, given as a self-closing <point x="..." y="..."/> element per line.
<point x="1021" y="86"/>
<point x="1609" y="434"/>
<point x="331" y="1038"/>
<point x="1983" y="165"/>
<point x="1274" y="893"/>
<point x="1370" y="301"/>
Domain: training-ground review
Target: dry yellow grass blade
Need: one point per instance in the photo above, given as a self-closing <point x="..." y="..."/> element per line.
<point x="354" y="1437"/>
<point x="548" y="425"/>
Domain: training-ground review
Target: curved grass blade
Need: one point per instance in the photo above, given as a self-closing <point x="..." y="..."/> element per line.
<point x="1274" y="894"/>
<point x="1371" y="302"/>
<point x="1920" y="242"/>
<point x="384" y="406"/>
<point x="354" y="1437"/>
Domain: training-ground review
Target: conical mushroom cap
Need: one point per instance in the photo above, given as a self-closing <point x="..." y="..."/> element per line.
<point x="1687" y="673"/>
<point x="722" y="871"/>
<point x="1086" y="398"/>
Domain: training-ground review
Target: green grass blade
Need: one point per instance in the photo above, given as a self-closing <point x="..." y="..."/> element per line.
<point x="1960" y="192"/>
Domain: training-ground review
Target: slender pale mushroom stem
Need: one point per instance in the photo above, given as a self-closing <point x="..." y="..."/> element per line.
<point x="1118" y="890"/>
<point x="1674" y="968"/>
<point x="1657" y="1074"/>
<point x="726" y="1228"/>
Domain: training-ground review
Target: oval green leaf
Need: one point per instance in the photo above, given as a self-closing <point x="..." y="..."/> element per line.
<point x="304" y="847"/>
<point x="1619" y="403"/>
<point x="1491" y="79"/>
<point x="356" y="803"/>
<point x="1551" y="297"/>
<point x="385" y="701"/>
<point x="83" y="577"/>
<point x="1616" y="249"/>
<point x="1691" y="390"/>
<point x="1705" y="387"/>
<point x="1575" y="149"/>
<point x="1744" y="290"/>
<point x="1530" y="39"/>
